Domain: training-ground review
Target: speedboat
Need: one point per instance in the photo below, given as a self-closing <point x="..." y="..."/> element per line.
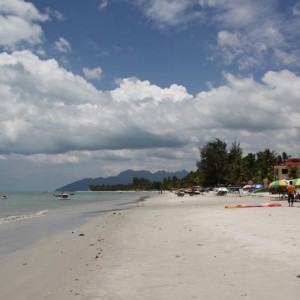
<point x="4" y="197"/>
<point x="62" y="196"/>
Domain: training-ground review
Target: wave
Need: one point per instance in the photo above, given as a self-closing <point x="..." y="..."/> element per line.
<point x="11" y="219"/>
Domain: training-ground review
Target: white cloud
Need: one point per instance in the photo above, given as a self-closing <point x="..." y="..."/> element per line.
<point x="169" y="12"/>
<point x="47" y="111"/>
<point x="263" y="31"/>
<point x="52" y="116"/>
<point x="95" y="73"/>
<point x="135" y="90"/>
<point x="62" y="45"/>
<point x="19" y="23"/>
<point x="103" y="4"/>
<point x="26" y="10"/>
<point x="54" y="14"/>
<point x="226" y="38"/>
<point x="289" y="59"/>
<point x="249" y="30"/>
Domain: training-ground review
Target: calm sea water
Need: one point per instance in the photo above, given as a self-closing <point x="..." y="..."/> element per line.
<point x="19" y="205"/>
<point x="28" y="217"/>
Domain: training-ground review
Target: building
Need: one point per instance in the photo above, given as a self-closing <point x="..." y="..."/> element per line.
<point x="287" y="169"/>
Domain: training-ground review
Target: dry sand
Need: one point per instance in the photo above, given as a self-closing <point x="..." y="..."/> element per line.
<point x="168" y="247"/>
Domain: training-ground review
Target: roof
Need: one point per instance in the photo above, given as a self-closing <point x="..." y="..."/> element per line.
<point x="289" y="163"/>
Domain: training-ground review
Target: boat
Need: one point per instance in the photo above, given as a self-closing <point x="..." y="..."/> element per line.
<point x="4" y="197"/>
<point x="62" y="196"/>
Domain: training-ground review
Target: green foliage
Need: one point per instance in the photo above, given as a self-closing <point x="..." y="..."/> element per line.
<point x="213" y="163"/>
<point x="217" y="166"/>
<point x="249" y="167"/>
<point x="282" y="158"/>
<point x="234" y="167"/>
<point x="137" y="184"/>
<point x="293" y="172"/>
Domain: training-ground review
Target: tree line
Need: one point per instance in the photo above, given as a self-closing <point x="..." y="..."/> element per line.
<point x="138" y="184"/>
<point x="216" y="166"/>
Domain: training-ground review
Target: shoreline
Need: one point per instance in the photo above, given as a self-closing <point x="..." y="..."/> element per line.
<point x="21" y="230"/>
<point x="167" y="247"/>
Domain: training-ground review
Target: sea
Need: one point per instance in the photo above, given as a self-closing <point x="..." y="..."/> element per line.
<point x="26" y="217"/>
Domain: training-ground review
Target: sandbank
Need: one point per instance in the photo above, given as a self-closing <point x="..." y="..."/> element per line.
<point x="167" y="247"/>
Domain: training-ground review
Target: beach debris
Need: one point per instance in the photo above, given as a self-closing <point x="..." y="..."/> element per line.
<point x="298" y="276"/>
<point x="25" y="264"/>
<point x="81" y="234"/>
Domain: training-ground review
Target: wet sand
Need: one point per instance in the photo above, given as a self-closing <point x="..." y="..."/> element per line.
<point x="168" y="247"/>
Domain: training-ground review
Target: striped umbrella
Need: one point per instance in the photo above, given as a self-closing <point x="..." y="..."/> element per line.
<point x="296" y="182"/>
<point x="278" y="183"/>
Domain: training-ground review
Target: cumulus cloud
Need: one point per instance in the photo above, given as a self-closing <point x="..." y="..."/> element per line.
<point x="248" y="30"/>
<point x="95" y="73"/>
<point x="19" y="23"/>
<point x="48" y="112"/>
<point x="170" y="13"/>
<point x="261" y="28"/>
<point x="62" y="45"/>
<point x="135" y="90"/>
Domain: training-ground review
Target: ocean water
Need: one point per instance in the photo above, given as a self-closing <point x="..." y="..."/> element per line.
<point x="27" y="217"/>
<point x="24" y="205"/>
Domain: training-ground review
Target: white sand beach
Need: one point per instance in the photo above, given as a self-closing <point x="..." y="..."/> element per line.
<point x="168" y="247"/>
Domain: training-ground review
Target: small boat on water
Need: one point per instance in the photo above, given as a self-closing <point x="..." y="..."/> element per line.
<point x="62" y="196"/>
<point x="4" y="197"/>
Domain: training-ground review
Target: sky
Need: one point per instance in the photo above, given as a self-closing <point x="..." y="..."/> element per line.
<point x="90" y="88"/>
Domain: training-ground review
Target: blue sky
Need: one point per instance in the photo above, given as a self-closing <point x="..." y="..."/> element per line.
<point x="90" y="88"/>
<point x="124" y="42"/>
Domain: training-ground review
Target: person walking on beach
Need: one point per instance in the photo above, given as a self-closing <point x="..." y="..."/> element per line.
<point x="291" y="190"/>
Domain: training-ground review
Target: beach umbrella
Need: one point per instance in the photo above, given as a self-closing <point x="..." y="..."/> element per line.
<point x="279" y="183"/>
<point x="296" y="182"/>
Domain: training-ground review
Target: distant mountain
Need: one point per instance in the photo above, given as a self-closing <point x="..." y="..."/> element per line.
<point x="124" y="177"/>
